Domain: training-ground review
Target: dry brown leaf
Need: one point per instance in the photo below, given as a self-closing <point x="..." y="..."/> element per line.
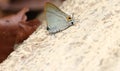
<point x="15" y="29"/>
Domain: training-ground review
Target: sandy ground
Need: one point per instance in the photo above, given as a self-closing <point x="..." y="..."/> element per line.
<point x="92" y="44"/>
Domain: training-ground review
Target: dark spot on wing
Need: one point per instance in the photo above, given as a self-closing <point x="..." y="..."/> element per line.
<point x="48" y="28"/>
<point x="69" y="17"/>
<point x="72" y="23"/>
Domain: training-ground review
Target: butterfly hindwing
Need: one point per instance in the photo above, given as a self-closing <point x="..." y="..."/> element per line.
<point x="56" y="19"/>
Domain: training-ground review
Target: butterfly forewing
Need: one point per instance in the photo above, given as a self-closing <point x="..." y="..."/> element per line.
<point x="56" y="19"/>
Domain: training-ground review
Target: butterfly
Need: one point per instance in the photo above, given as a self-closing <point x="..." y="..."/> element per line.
<point x="57" y="20"/>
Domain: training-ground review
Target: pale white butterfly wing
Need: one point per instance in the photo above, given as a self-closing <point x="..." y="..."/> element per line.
<point x="56" y="19"/>
<point x="56" y="22"/>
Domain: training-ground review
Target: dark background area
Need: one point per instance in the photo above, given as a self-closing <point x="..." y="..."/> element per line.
<point x="18" y="30"/>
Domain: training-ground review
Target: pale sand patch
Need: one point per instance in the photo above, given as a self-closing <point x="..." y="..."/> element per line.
<point x="92" y="44"/>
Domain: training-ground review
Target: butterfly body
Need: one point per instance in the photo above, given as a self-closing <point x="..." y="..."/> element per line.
<point x="57" y="20"/>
